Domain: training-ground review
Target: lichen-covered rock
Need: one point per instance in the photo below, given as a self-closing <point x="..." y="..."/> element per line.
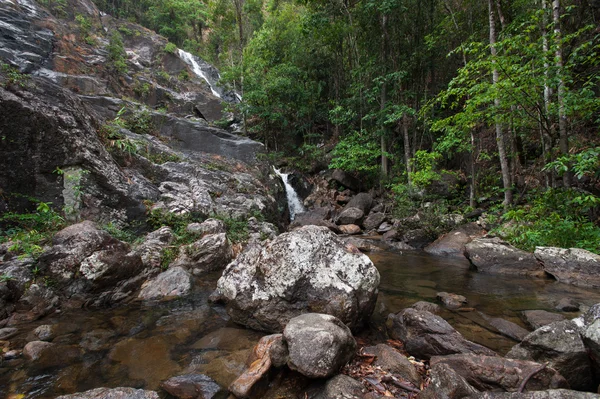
<point x="150" y="251"/>
<point x="319" y="345"/>
<point x="425" y="335"/>
<point x="112" y="393"/>
<point x="560" y="345"/>
<point x="209" y="226"/>
<point x="492" y="255"/>
<point x="212" y="252"/>
<point x="173" y="283"/>
<point x="574" y="266"/>
<point x="306" y="270"/>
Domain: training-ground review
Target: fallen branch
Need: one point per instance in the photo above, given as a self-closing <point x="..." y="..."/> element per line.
<point x="400" y="384"/>
<point x="528" y="377"/>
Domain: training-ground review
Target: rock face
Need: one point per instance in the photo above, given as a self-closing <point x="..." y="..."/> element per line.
<point x="318" y="344"/>
<point x="85" y="254"/>
<point x="425" y="335"/>
<point x="173" y="283"/>
<point x="306" y="270"/>
<point x="571" y="266"/>
<point x="113" y="393"/>
<point x="561" y="346"/>
<point x="491" y="373"/>
<point x="492" y="255"/>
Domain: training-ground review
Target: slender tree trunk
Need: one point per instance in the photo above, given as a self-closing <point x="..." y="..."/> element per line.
<point x="546" y="124"/>
<point x="500" y="139"/>
<point x="384" y="57"/>
<point x="407" y="152"/>
<point x="562" y="117"/>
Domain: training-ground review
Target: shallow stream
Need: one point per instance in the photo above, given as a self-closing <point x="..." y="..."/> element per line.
<point x="141" y="344"/>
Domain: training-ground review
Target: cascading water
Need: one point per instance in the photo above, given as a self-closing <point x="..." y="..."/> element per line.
<point x="294" y="202"/>
<point x="198" y="70"/>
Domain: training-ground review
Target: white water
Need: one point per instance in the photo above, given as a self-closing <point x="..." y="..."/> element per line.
<point x="294" y="202"/>
<point x="191" y="61"/>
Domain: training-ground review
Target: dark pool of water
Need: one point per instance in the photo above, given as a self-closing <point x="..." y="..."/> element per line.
<point x="141" y="344"/>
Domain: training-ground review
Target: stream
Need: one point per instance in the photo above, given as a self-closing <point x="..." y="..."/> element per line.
<point x="141" y="344"/>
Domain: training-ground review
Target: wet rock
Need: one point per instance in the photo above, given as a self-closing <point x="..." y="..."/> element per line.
<point x="567" y="305"/>
<point x="384" y="227"/>
<point x="374" y="220"/>
<point x="507" y="328"/>
<point x="560" y="345"/>
<point x="350" y="216"/>
<point x="492" y="255"/>
<point x="97" y="340"/>
<point x="173" y="283"/>
<point x="425" y="335"/>
<point x="150" y="251"/>
<point x="392" y="235"/>
<point x="8" y="332"/>
<point x="549" y="394"/>
<point x="209" y="226"/>
<point x="346" y="180"/>
<point x="44" y="332"/>
<point x="417" y="238"/>
<point x="589" y="328"/>
<point x="394" y="362"/>
<point x="350" y="229"/>
<point x="306" y="270"/>
<point x="540" y="318"/>
<point x="191" y="386"/>
<point x="112" y="393"/>
<point x="33" y="350"/>
<point x="571" y="266"/>
<point x="319" y="344"/>
<point x="342" y="387"/>
<point x="426" y="306"/>
<point x="490" y="373"/>
<point x="37" y="302"/>
<point x="446" y="383"/>
<point x="255" y="379"/>
<point x="212" y="252"/>
<point x="451" y="301"/>
<point x="362" y="201"/>
<point x="453" y="243"/>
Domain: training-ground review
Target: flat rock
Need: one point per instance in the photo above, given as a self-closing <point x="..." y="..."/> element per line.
<point x="319" y="345"/>
<point x="540" y="318"/>
<point x="191" y="386"/>
<point x="495" y="256"/>
<point x="571" y="266"/>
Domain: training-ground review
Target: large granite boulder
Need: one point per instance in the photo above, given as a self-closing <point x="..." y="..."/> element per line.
<point x="212" y="252"/>
<point x="307" y="270"/>
<point x="453" y="243"/>
<point x="571" y="266"/>
<point x="560" y="345"/>
<point x="350" y="215"/>
<point x="362" y="201"/>
<point x="492" y="255"/>
<point x="173" y="283"/>
<point x="425" y="335"/>
<point x="319" y="345"/>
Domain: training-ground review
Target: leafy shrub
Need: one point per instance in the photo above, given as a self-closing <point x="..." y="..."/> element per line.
<point x="13" y="76"/>
<point x="556" y="218"/>
<point x="117" y="58"/>
<point x="171" y="48"/>
<point x="423" y="165"/>
<point x="357" y="152"/>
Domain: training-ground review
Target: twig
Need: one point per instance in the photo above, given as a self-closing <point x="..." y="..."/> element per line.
<point x="400" y="384"/>
<point x="528" y="377"/>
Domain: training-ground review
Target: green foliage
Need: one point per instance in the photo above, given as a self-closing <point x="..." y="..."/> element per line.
<point x="171" y="48"/>
<point x="13" y="76"/>
<point x="404" y="201"/>
<point x="120" y="233"/>
<point x="184" y="76"/>
<point x="85" y="27"/>
<point x="583" y="164"/>
<point x="142" y="89"/>
<point x="117" y="58"/>
<point x="357" y="152"/>
<point x="57" y="7"/>
<point x="29" y="232"/>
<point x="423" y="168"/>
<point x="556" y="218"/>
<point x="5" y="278"/>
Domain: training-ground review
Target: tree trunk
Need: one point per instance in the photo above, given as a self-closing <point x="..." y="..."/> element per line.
<point x="406" y="147"/>
<point x="500" y="140"/>
<point x="546" y="124"/>
<point x="563" y="138"/>
<point x="384" y="57"/>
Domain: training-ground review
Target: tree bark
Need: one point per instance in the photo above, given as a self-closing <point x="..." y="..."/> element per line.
<point x="407" y="152"/>
<point x="546" y="124"/>
<point x="500" y="140"/>
<point x="384" y="57"/>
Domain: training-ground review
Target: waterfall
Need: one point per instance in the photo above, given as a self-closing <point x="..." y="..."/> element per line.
<point x="294" y="202"/>
<point x="203" y="73"/>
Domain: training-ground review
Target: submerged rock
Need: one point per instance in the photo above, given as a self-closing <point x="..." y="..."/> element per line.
<point x="540" y="318"/>
<point x="306" y="270"/>
<point x="191" y="386"/>
<point x="112" y="393"/>
<point x="451" y="301"/>
<point x="571" y="266"/>
<point x="492" y="255"/>
<point x="318" y="344"/>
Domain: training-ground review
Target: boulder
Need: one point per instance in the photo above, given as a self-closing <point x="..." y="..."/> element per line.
<point x="112" y="393"/>
<point x="319" y="345"/>
<point x="492" y="373"/>
<point x="384" y="227"/>
<point x="350" y="229"/>
<point x="540" y="318"/>
<point x="392" y="361"/>
<point x="191" y="386"/>
<point x="560" y="345"/>
<point x="451" y="301"/>
<point x="417" y="238"/>
<point x="209" y="226"/>
<point x="210" y="253"/>
<point x="362" y="201"/>
<point x="350" y="216"/>
<point x="151" y="249"/>
<point x="374" y="220"/>
<point x="34" y="349"/>
<point x="589" y="328"/>
<point x="447" y="384"/>
<point x="492" y="255"/>
<point x="342" y="387"/>
<point x="346" y="180"/>
<point x="453" y="243"/>
<point x="425" y="335"/>
<point x="173" y="283"/>
<point x="315" y="217"/>
<point x="549" y="394"/>
<point x="571" y="266"/>
<point x="306" y="270"/>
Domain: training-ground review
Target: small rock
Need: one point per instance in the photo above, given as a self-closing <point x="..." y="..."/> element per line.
<point x="384" y="227"/>
<point x="191" y="386"/>
<point x="567" y="305"/>
<point x="451" y="301"/>
<point x="34" y="349"/>
<point x="12" y="354"/>
<point x="426" y="306"/>
<point x="540" y="318"/>
<point x="44" y="332"/>
<point x="342" y="387"/>
<point x="319" y="344"/>
<point x="350" y="229"/>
